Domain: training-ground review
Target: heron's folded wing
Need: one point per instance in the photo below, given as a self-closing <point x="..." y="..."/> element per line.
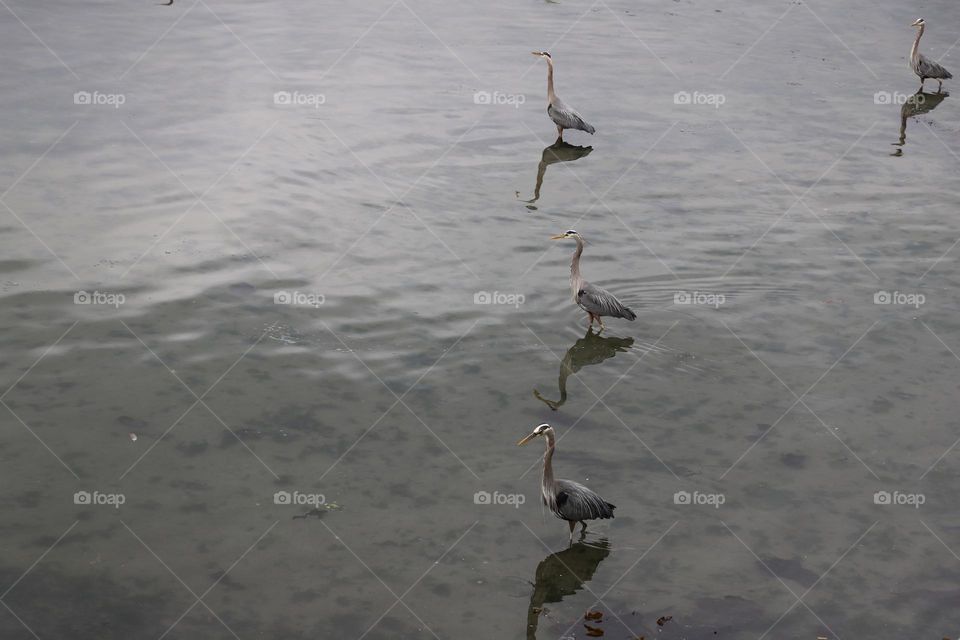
<point x="577" y="502"/>
<point x="601" y="302"/>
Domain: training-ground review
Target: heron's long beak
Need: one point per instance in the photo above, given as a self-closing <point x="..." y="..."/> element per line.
<point x="536" y="53"/>
<point x="915" y="24"/>
<point x="527" y="439"/>
<point x="559" y="237"/>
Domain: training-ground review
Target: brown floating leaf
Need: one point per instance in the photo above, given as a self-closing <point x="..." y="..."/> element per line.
<point x="593" y="615"/>
<point x="662" y="620"/>
<point x="593" y="632"/>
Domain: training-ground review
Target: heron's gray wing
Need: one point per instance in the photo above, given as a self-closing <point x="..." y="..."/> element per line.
<point x="927" y="68"/>
<point x="567" y="117"/>
<point x="576" y="502"/>
<point x="601" y="302"/>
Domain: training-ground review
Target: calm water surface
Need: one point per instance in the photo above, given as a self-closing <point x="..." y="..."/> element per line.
<point x="398" y="174"/>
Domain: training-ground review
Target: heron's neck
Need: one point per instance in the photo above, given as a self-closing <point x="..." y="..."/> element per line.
<point x="575" y="277"/>
<point x="547" y="480"/>
<point x="550" y="94"/>
<point x="916" y="43"/>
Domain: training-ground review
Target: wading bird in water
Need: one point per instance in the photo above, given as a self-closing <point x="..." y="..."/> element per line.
<point x="591" y="298"/>
<point x="567" y="500"/>
<point x="924" y="66"/>
<point x="563" y="116"/>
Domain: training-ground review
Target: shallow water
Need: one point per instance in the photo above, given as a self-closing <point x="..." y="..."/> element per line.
<point x="386" y="200"/>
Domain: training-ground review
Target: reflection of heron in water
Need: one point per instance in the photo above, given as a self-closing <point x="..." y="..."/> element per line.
<point x="559" y="151"/>
<point x="917" y="104"/>
<point x="563" y="574"/>
<point x="590" y="349"/>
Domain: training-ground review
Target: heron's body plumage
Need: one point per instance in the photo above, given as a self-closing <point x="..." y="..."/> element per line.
<point x="574" y="502"/>
<point x="927" y="68"/>
<point x="600" y="302"/>
<point x="566" y="117"/>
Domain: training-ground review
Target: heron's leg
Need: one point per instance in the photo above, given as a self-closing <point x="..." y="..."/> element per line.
<point x="559" y="133"/>
<point x="600" y="320"/>
<point x="591" y="320"/>
<point x="583" y="527"/>
<point x="940" y="86"/>
<point x="922" y="80"/>
<point x="572" y="527"/>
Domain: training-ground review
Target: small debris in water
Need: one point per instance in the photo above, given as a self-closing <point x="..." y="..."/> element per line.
<point x="593" y="616"/>
<point x="593" y="632"/>
<point x="133" y="437"/>
<point x="662" y="620"/>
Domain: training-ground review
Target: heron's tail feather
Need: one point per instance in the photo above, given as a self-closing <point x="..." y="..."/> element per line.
<point x="629" y="314"/>
<point x="589" y="128"/>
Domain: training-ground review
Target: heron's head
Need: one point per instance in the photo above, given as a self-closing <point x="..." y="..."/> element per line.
<point x="539" y="431"/>
<point x="540" y="54"/>
<point x="566" y="235"/>
<point x="918" y="23"/>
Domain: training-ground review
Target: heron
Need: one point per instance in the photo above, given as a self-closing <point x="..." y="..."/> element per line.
<point x="594" y="300"/>
<point x="568" y="500"/>
<point x="924" y="66"/>
<point x="564" y="116"/>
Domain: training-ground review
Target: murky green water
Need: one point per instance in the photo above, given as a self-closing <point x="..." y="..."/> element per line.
<point x="191" y="169"/>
